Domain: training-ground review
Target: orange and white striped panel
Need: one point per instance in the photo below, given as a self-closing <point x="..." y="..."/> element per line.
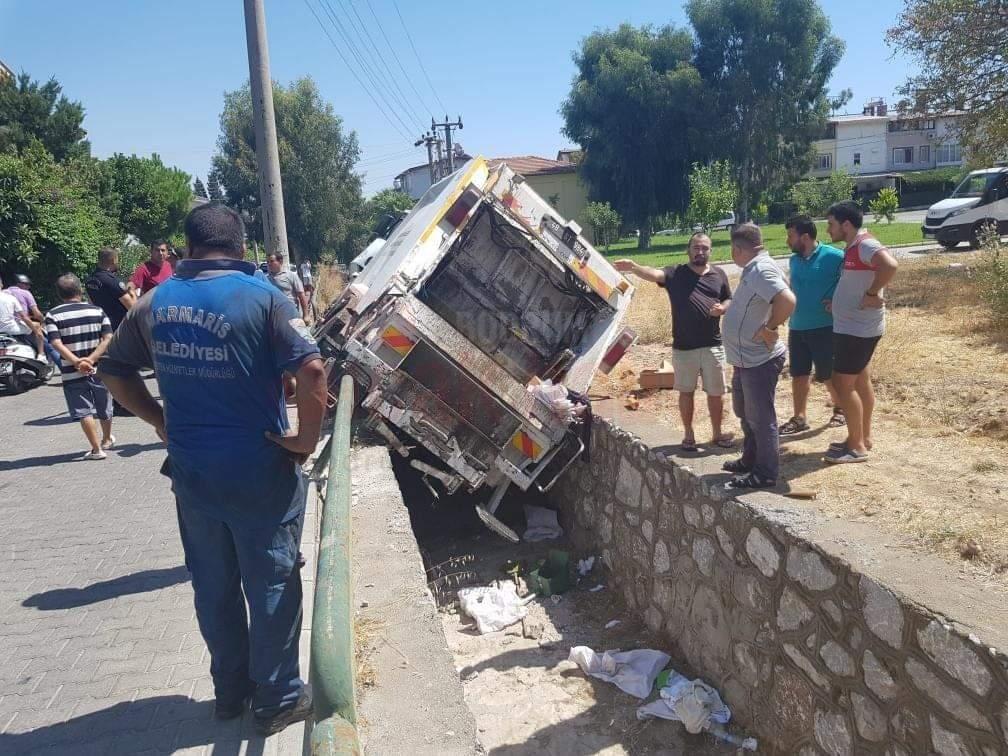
<point x="397" y="340"/>
<point x="524" y="443"/>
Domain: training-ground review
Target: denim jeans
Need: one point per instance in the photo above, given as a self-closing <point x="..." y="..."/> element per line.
<point x="753" y="390"/>
<point x="234" y="562"/>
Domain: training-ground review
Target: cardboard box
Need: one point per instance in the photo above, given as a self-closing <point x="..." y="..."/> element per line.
<point x="662" y="378"/>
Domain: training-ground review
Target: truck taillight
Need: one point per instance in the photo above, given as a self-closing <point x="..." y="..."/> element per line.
<point x="461" y="207"/>
<point x="615" y="352"/>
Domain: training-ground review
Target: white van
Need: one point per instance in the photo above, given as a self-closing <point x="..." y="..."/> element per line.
<point x="981" y="198"/>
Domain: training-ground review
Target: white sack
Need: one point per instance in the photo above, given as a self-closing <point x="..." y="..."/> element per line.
<point x="633" y="672"/>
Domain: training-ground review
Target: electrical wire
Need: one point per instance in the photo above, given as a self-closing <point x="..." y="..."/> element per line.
<point x="381" y="58"/>
<point x="403" y="133"/>
<point x="421" y="98"/>
<point x="419" y="60"/>
<point x="365" y="68"/>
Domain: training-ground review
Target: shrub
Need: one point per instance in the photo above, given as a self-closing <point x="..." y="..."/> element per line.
<point x="885" y="205"/>
<point x="992" y="274"/>
<point x="712" y="194"/>
<point x="814" y="196"/>
<point x="605" y="221"/>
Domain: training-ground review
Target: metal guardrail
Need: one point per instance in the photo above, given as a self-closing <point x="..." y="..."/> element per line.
<point x="332" y="647"/>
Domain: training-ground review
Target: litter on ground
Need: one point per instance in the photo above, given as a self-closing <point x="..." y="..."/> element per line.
<point x="494" y="607"/>
<point x="541" y="524"/>
<point x="633" y="672"/>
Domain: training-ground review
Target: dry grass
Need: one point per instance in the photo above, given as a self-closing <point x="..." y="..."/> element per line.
<point x="941" y="422"/>
<point x="329" y="284"/>
<point x="366" y="636"/>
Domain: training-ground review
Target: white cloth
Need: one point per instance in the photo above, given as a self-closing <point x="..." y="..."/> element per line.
<point x="633" y="672"/>
<point x="541" y="524"/>
<point x="9" y="306"/>
<point x="692" y="702"/>
<point x="494" y="607"/>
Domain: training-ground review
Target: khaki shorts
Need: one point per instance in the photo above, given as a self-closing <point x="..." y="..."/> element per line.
<point x="690" y="364"/>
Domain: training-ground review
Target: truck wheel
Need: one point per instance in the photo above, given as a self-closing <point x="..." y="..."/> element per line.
<point x="949" y="245"/>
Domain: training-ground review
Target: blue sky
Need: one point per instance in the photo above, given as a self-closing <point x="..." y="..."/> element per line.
<point x="151" y="75"/>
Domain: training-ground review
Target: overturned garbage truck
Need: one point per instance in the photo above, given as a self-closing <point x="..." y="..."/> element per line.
<point x="467" y="329"/>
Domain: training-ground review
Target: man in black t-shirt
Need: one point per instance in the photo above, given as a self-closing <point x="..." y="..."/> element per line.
<point x="106" y="290"/>
<point x="699" y="295"/>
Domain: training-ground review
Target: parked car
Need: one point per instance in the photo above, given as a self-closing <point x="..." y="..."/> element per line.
<point x="980" y="199"/>
<point x="727" y="223"/>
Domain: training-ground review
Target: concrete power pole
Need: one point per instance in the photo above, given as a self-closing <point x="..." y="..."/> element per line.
<point x="448" y="126"/>
<point x="267" y="157"/>
<point x="429" y="140"/>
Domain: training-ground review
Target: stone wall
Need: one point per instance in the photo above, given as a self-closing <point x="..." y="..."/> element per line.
<point x="810" y="654"/>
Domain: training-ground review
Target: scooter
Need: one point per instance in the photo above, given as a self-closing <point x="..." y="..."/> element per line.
<point x="21" y="367"/>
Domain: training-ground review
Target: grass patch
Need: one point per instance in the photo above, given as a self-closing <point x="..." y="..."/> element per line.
<point x="668" y="250"/>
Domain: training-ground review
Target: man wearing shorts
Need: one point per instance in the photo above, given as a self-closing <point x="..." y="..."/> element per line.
<point x="81" y="333"/>
<point x="814" y="269"/>
<point x="698" y="295"/>
<point x="858" y="324"/>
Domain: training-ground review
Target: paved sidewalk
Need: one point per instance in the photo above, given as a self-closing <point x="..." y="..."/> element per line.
<point x="100" y="648"/>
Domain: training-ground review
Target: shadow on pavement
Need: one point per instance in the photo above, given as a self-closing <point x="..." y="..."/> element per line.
<point x="131" y="450"/>
<point x="157" y="725"/>
<point x="138" y="582"/>
<point x="28" y="462"/>
<point x="61" y="418"/>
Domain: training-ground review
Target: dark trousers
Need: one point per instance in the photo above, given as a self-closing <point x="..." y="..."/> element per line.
<point x="234" y="563"/>
<point x="753" y="391"/>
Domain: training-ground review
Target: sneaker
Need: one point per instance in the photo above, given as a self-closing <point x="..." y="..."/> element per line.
<point x="299" y="712"/>
<point x="225" y="710"/>
<point x="736" y="466"/>
<point x="108" y="444"/>
<point x="844" y="456"/>
<point x="95" y="455"/>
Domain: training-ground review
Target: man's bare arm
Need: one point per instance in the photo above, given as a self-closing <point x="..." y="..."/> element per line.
<point x="131" y="392"/>
<point x="654" y="275"/>
<point x="311" y="396"/>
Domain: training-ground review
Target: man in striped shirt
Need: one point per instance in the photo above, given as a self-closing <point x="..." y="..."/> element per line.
<point x="81" y="333"/>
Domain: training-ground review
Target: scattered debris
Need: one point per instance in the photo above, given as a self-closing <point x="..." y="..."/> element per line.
<point x="494" y="607"/>
<point x="531" y="629"/>
<point x="470" y="675"/>
<point x="633" y="672"/>
<point x="968" y="548"/>
<point x="584" y="566"/>
<point x="555" y="598"/>
<point x="632" y="403"/>
<point x="611" y="624"/>
<point x="551" y="576"/>
<point x="554" y="396"/>
<point x="662" y="378"/>
<point x="596" y="589"/>
<point x="541" y="524"/>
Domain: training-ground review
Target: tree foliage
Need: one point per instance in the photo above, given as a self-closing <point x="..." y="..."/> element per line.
<point x="713" y="193"/>
<point x="32" y="111"/>
<point x="814" y="196"/>
<point x="765" y="65"/>
<point x="322" y="194"/>
<point x="960" y="47"/>
<point x="885" y="205"/>
<point x="632" y="108"/>
<point x="51" y="219"/>
<point x="605" y="222"/>
<point x="153" y="199"/>
<point x="387" y="201"/>
<point x="214" y="188"/>
<point x="199" y="189"/>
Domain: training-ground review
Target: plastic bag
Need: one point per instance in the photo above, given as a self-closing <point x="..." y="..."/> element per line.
<point x="494" y="607"/>
<point x="633" y="672"/>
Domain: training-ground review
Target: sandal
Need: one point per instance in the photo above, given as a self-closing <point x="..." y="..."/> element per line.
<point x="688" y="445"/>
<point x="844" y="456"/>
<point x="736" y="466"/>
<point x="794" y="425"/>
<point x="750" y="481"/>
<point x="838" y="420"/>
<point x="725" y="441"/>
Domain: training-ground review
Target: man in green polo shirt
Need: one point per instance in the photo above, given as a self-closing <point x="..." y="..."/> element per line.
<point x="814" y="270"/>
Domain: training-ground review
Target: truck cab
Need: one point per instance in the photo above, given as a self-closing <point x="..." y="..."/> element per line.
<point x="981" y="199"/>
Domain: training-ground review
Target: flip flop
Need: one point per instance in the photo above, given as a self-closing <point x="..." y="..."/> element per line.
<point x="844" y="456"/>
<point x="725" y="441"/>
<point x="688" y="445"/>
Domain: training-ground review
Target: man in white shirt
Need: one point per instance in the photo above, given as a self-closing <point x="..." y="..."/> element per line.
<point x="14" y="321"/>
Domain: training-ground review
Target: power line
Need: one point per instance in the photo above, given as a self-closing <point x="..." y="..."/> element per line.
<point x="354" y="73"/>
<point x="375" y="54"/>
<point x="365" y="69"/>
<point x="421" y="98"/>
<point x="422" y="68"/>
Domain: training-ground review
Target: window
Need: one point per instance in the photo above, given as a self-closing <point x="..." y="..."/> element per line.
<point x="857" y="158"/>
<point x="830" y="132"/>
<point x="824" y="161"/>
<point x="902" y="155"/>
<point x="924" y="153"/>
<point x="948" y="153"/>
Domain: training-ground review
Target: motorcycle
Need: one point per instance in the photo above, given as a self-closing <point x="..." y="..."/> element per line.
<point x="21" y="367"/>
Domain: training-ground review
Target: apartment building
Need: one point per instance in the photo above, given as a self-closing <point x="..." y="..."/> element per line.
<point x="875" y="146"/>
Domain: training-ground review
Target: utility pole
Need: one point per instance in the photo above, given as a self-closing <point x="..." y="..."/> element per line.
<point x="448" y="126"/>
<point x="430" y="140"/>
<point x="267" y="157"/>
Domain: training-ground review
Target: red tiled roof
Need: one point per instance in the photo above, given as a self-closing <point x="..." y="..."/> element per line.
<point x="532" y="165"/>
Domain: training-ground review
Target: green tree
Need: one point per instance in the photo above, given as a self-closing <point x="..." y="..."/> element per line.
<point x="51" y="220"/>
<point x="885" y="205"/>
<point x="387" y="201"/>
<point x="33" y="111"/>
<point x="959" y="46"/>
<point x="713" y="193"/>
<point x="322" y="194"/>
<point x="199" y="189"/>
<point x="213" y="188"/>
<point x="605" y="221"/>
<point x="153" y="198"/>
<point x="765" y="66"/>
<point x="814" y="196"/>
<point x="632" y="109"/>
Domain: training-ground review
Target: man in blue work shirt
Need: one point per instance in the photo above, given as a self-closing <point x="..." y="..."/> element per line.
<point x="814" y="272"/>
<point x="219" y="342"/>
